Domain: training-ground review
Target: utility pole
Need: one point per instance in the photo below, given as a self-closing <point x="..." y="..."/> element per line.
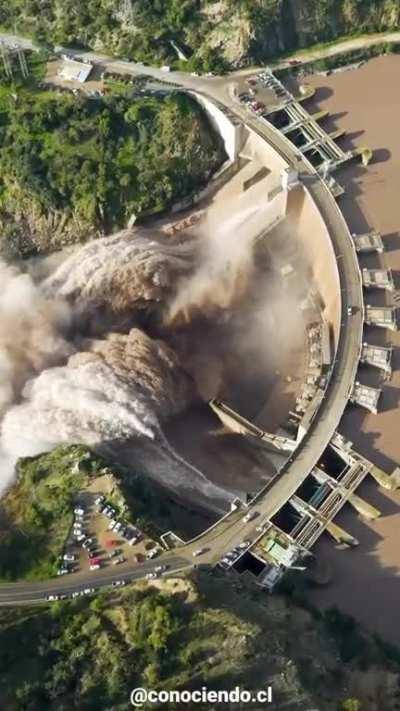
<point x="6" y="61"/>
<point x="23" y="63"/>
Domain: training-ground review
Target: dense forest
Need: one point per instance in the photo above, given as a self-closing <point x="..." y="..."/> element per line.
<point x="213" y="34"/>
<point x="97" y="160"/>
<point x="91" y="653"/>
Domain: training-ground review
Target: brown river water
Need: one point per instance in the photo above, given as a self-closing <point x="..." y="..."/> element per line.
<point x="366" y="103"/>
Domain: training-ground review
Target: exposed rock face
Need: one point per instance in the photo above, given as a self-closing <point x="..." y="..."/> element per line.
<point x="268" y="27"/>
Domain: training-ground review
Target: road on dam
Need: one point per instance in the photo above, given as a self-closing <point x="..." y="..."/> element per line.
<point x="230" y="531"/>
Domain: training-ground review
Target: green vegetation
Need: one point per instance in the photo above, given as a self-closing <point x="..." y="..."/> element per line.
<point x="342" y="60"/>
<point x="212" y="35"/>
<point x="36" y="514"/>
<point x="96" y="161"/>
<point x="37" y="511"/>
<point x="89" y="654"/>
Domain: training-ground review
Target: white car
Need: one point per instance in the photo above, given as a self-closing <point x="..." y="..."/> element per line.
<point x="63" y="571"/>
<point x="119" y="560"/>
<point x="51" y="598"/>
<point x="75" y="594"/>
<point x="118" y="526"/>
<point x="95" y="566"/>
<point x="250" y="515"/>
<point x="160" y="568"/>
<point x="89" y="591"/>
<point x="133" y="540"/>
<point x="99" y="500"/>
<point x="80" y="537"/>
<point x="69" y="556"/>
<point x="111" y="524"/>
<point x="79" y="511"/>
<point x="199" y="551"/>
<point x="152" y="553"/>
<point x="151" y="576"/>
<point x="244" y="544"/>
<point x="117" y="583"/>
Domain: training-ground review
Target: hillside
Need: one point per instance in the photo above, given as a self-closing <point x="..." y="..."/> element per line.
<point x="74" y="167"/>
<point x="87" y="654"/>
<point x="213" y="34"/>
<point x="37" y="512"/>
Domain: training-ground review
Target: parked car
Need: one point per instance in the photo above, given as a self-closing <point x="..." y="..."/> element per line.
<point x="151" y="576"/>
<point x="118" y="583"/>
<point x="119" y="560"/>
<point x="87" y="543"/>
<point x="62" y="571"/>
<point x="133" y="540"/>
<point x="51" y="598"/>
<point x="152" y="553"/>
<point x="94" y="566"/>
<point x="160" y="568"/>
<point x="244" y="544"/>
<point x="197" y="552"/>
<point x="250" y="515"/>
<point x="69" y="556"/>
<point x="89" y="591"/>
<point x="79" y="510"/>
<point x="76" y="593"/>
<point x="99" y="500"/>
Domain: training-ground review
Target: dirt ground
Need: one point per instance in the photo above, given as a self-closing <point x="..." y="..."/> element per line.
<point x="366" y="103"/>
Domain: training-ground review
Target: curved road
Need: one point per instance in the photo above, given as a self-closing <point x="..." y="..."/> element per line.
<point x="232" y="530"/>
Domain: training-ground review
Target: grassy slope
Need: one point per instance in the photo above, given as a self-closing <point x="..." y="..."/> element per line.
<point x="90" y="654"/>
<point x="95" y="162"/>
<point x="37" y="512"/>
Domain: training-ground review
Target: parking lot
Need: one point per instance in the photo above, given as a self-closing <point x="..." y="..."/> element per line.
<point x="102" y="535"/>
<point x="260" y="91"/>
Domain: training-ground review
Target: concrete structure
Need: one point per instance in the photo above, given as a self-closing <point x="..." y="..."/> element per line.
<point x="73" y="70"/>
<point x="229" y="127"/>
<point x="368" y="242"/>
<point x="290" y="179"/>
<point x="382" y="316"/>
<point x="366" y="396"/>
<point x="377" y="356"/>
<point x="236" y="423"/>
<point x="312" y="513"/>
<point x="302" y="128"/>
<point x="378" y="279"/>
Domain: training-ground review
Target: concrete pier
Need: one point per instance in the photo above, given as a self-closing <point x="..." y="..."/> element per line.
<point x="378" y="279"/>
<point x="387" y="481"/>
<point x="364" y="508"/>
<point x="378" y="356"/>
<point x="366" y="396"/>
<point x="368" y="242"/>
<point x="341" y="536"/>
<point x="382" y="316"/>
